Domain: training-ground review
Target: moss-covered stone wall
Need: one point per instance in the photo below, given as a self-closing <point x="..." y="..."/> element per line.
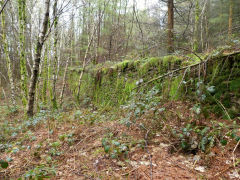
<point x="112" y="84"/>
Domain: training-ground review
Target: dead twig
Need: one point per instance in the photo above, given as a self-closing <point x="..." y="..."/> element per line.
<point x="130" y="171"/>
<point x="150" y="156"/>
<point x="4" y="5"/>
<point x="220" y="173"/>
<point x="233" y="153"/>
<point x="181" y="81"/>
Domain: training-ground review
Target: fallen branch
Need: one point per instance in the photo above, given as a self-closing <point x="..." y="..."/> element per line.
<point x="169" y="73"/>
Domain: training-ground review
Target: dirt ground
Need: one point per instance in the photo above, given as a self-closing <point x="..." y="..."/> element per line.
<point x="85" y="158"/>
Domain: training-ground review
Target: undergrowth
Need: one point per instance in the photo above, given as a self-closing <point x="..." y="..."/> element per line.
<point x="193" y="113"/>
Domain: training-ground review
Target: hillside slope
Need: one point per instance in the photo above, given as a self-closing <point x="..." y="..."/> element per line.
<point x="158" y="118"/>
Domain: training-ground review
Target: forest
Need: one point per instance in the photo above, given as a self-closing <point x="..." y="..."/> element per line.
<point x="119" y="89"/>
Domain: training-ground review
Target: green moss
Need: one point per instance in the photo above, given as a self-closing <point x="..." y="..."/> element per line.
<point x="237" y="57"/>
<point x="105" y="70"/>
<point x="235" y="85"/>
<point x="136" y="64"/>
<point x="169" y="62"/>
<point x="119" y="80"/>
<point x="75" y="69"/>
<point x="175" y="90"/>
<point x="166" y="60"/>
<point x="194" y="58"/>
<point x="151" y="63"/>
<point x="214" y="72"/>
<point x="129" y="86"/>
<point x="123" y="65"/>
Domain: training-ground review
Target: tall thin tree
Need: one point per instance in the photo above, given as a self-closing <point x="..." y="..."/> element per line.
<point x="37" y="60"/>
<point x="170" y="26"/>
<point x="196" y="25"/>
<point x="230" y="19"/>
<point x="23" y="69"/>
<point x="55" y="58"/>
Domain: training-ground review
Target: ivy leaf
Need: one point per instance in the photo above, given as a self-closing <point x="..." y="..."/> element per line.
<point x="106" y="149"/>
<point x="204" y="130"/>
<point x="224" y="142"/>
<point x="203" y="97"/>
<point x="237" y="138"/>
<point x="181" y="136"/>
<point x="197" y="109"/>
<point x="114" y="156"/>
<point x="9" y="159"/>
<point x="15" y="150"/>
<point x="203" y="143"/>
<point x="211" y="89"/>
<point x="4" y="164"/>
<point x="221" y="124"/>
<point x="104" y="142"/>
<point x="184" y="145"/>
<point x="115" y="143"/>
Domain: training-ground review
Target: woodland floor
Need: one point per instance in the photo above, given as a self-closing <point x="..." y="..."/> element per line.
<point x="84" y="157"/>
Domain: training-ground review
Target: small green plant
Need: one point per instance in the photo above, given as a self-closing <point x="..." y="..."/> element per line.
<point x="194" y="138"/>
<point x="67" y="138"/>
<point x="54" y="148"/>
<point x="114" y="148"/>
<point x="3" y="164"/>
<point x="12" y="109"/>
<point x="78" y="115"/>
<point x="40" y="172"/>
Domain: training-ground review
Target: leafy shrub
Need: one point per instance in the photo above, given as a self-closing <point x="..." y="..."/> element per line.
<point x="194" y="138"/>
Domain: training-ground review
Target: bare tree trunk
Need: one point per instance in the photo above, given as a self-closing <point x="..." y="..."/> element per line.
<point x="37" y="60"/>
<point x="196" y="31"/>
<point x="230" y="20"/>
<point x="207" y="24"/>
<point x="98" y="35"/>
<point x="38" y="86"/>
<point x="23" y="67"/>
<point x="45" y="76"/>
<point x="84" y="62"/>
<point x="170" y="26"/>
<point x="64" y="82"/>
<point x="139" y="25"/>
<point x="203" y="30"/>
<point x="54" y="97"/>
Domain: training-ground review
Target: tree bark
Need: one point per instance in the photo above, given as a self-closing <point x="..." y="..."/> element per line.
<point x="55" y="61"/>
<point x="8" y="60"/>
<point x="64" y="82"/>
<point x="45" y="76"/>
<point x="230" y="20"/>
<point x="170" y="26"/>
<point x="37" y="60"/>
<point x="23" y="68"/>
<point x="85" y="63"/>
<point x="196" y="31"/>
